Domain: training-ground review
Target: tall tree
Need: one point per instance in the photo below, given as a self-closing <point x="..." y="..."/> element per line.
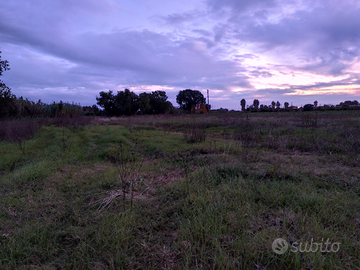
<point x="4" y="65"/>
<point x="144" y="103"/>
<point x="243" y="103"/>
<point x="286" y="104"/>
<point x="7" y="99"/>
<point x="315" y="103"/>
<point x="107" y="102"/>
<point x="126" y="102"/>
<point x="256" y="104"/>
<point x="159" y="103"/>
<point x="154" y="103"/>
<point x="123" y="103"/>
<point x="7" y="102"/>
<point x="273" y="104"/>
<point x="278" y="105"/>
<point x="189" y="98"/>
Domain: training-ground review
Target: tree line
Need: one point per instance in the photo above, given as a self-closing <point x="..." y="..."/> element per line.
<point x="129" y="103"/>
<point x="277" y="106"/>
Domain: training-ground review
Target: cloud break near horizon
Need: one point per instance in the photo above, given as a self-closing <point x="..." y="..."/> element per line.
<point x="297" y="51"/>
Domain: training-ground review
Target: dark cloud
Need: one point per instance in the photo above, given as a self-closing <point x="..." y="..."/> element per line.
<point x="179" y="18"/>
<point x="320" y="85"/>
<point x="240" y="6"/>
<point x="66" y="47"/>
<point x="246" y="56"/>
<point x="146" y="58"/>
<point x="323" y="38"/>
<point x="202" y="32"/>
<point x="258" y="73"/>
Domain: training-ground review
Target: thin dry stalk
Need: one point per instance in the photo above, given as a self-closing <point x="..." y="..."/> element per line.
<point x="127" y="175"/>
<point x="8" y="211"/>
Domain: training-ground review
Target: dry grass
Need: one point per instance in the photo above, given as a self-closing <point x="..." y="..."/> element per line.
<point x="159" y="202"/>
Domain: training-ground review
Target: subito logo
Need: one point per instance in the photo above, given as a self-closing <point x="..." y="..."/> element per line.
<point x="280" y="246"/>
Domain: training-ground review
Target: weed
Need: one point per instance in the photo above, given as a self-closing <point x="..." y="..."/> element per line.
<point x="18" y="132"/>
<point x="127" y="170"/>
<point x="195" y="133"/>
<point x="310" y="120"/>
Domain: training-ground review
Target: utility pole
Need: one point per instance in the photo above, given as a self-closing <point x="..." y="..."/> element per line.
<point x="208" y="99"/>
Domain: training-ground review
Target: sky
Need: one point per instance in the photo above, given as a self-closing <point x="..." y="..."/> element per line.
<point x="295" y="51"/>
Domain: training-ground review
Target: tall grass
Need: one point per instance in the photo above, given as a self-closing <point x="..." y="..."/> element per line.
<point x="215" y="204"/>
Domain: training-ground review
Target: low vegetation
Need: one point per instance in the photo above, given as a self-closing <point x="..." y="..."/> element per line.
<point x="180" y="192"/>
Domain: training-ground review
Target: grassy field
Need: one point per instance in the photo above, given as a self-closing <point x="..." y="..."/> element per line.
<point x="183" y="192"/>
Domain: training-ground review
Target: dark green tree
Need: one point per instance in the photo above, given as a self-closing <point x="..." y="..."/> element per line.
<point x="154" y="103"/>
<point x="243" y="103"/>
<point x="256" y="104"/>
<point x="123" y="103"/>
<point x="278" y="105"/>
<point x="95" y="109"/>
<point x="286" y="104"/>
<point x="107" y="102"/>
<point x="126" y="103"/>
<point x="189" y="98"/>
<point x="91" y="110"/>
<point x="4" y="65"/>
<point x="7" y="102"/>
<point x="273" y="104"/>
<point x="308" y="107"/>
<point x="7" y="99"/>
<point x="159" y="103"/>
<point x="144" y="103"/>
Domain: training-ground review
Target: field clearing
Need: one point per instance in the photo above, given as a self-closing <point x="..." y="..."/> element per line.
<point x="183" y="192"/>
